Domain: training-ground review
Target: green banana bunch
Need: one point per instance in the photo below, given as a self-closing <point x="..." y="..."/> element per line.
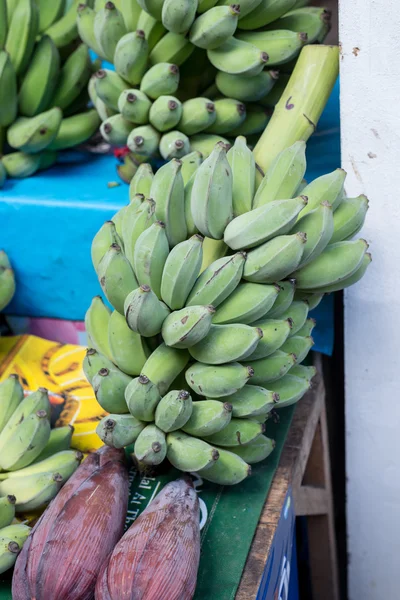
<point x="7" y="283"/>
<point x="12" y="539"/>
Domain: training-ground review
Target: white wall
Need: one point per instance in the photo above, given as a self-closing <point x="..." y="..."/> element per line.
<point x="370" y="110"/>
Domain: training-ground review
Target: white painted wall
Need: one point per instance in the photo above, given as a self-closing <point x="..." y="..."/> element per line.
<point x="370" y="111"/>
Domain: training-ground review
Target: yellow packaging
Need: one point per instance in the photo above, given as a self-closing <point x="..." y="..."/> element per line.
<point x="57" y="367"/>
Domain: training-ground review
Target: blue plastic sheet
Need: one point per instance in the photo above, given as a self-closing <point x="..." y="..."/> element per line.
<point x="47" y="223"/>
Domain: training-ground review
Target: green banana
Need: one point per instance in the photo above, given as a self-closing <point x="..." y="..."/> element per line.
<point x="197" y="115"/>
<point x="337" y="262"/>
<point x="129" y="350"/>
<point x="32" y="492"/>
<point x="208" y="417"/>
<point x="7" y="510"/>
<point x="59" y="440"/>
<point x="27" y="442"/>
<point x="303" y="372"/>
<point x="246" y="304"/>
<point x="144" y="312"/>
<point x="211" y="198"/>
<point x="40" y="80"/>
<point x="119" y="431"/>
<point x="256" y="121"/>
<point x="297" y="313"/>
<point x="349" y="218"/>
<point x="135" y="221"/>
<point x="130" y="58"/>
<point x="229" y="469"/>
<point x="258" y="450"/>
<point x="10" y="547"/>
<point x="181" y="270"/>
<point x="246" y="89"/>
<point x="97" y="320"/>
<point x="153" y="29"/>
<point x="130" y="10"/>
<point x="151" y="446"/>
<point x="172" y="48"/>
<point x="165" y="113"/>
<point x="167" y="191"/>
<point x="214" y="27"/>
<point x="189" y="165"/>
<point x="104" y="238"/>
<point x="11" y="395"/>
<point x="65" y="462"/>
<point x="115" y="130"/>
<point x="109" y="27"/>
<point x="272" y="367"/>
<point x="153" y="7"/>
<point x="142" y="397"/>
<point x="109" y="86"/>
<point x="217" y="281"/>
<point x="266" y="12"/>
<point x="205" y="5"/>
<point x="75" y="130"/>
<point x="238" y="58"/>
<point x="173" y="410"/>
<point x="218" y="381"/>
<point x="150" y="253"/>
<point x="226" y="343"/>
<point x="351" y="279"/>
<point x="186" y="327"/>
<point x="188" y="453"/>
<point x="178" y="15"/>
<point x="65" y="30"/>
<point x="275" y="333"/>
<point x="281" y="44"/>
<point x="74" y="77"/>
<point x="144" y="140"/>
<point x="212" y="251"/>
<point x="290" y="388"/>
<point x="160" y="80"/>
<point x="85" y="24"/>
<point x="264" y="223"/>
<point x="134" y="106"/>
<point x="22" y="33"/>
<point x="246" y="6"/>
<point x="313" y="21"/>
<point x="252" y="400"/>
<point x="7" y="286"/>
<point x="328" y="188"/>
<point x="283" y="176"/>
<point x="318" y="227"/>
<point x="274" y="259"/>
<point x="109" y="387"/>
<point x="20" y="164"/>
<point x="174" y="144"/>
<point x="206" y="142"/>
<point x="299" y="346"/>
<point x="141" y="181"/>
<point x="238" y="432"/>
<point x="284" y="300"/>
<point x="3" y="23"/>
<point x="36" y="133"/>
<point x="164" y="365"/>
<point x="8" y="90"/>
<point x="93" y="362"/>
<point x="230" y="114"/>
<point x="307" y="328"/>
<point x="242" y="163"/>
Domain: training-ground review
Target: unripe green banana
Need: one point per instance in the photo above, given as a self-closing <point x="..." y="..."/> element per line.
<point x="109" y="27"/>
<point x="212" y="251"/>
<point x="284" y="300"/>
<point x="22" y="33"/>
<point x="238" y="432"/>
<point x="151" y="252"/>
<point x="214" y="27"/>
<point x="59" y="441"/>
<point x="191" y="227"/>
<point x="197" y="115"/>
<point x="109" y="387"/>
<point x="230" y="114"/>
<point x="208" y="417"/>
<point x="40" y="80"/>
<point x="188" y="453"/>
<point x="75" y="130"/>
<point x="27" y="441"/>
<point x="283" y="176"/>
<point x="96" y="324"/>
<point x="275" y="259"/>
<point x="135" y="221"/>
<point x="144" y="140"/>
<point x="180" y="272"/>
<point x="32" y="492"/>
<point x="172" y="48"/>
<point x="318" y="226"/>
<point x="226" y="343"/>
<point x="217" y="381"/>
<point x="7" y="286"/>
<point x="141" y="181"/>
<point x="36" y="133"/>
<point x="119" y="431"/>
<point x="7" y="510"/>
<point x="142" y="397"/>
<point x="281" y="44"/>
<point x="303" y="372"/>
<point x="275" y="333"/>
<point x="85" y="23"/>
<point x="65" y="31"/>
<point x="298" y="345"/>
<point x="206" y="142"/>
<point x="153" y="7"/>
<point x="65" y="462"/>
<point x="328" y="188"/>
<point x="74" y="77"/>
<point x="186" y="327"/>
<point x="167" y="190"/>
<point x="246" y="89"/>
<point x="247" y="303"/>
<point x="337" y="262"/>
<point x="12" y="539"/>
<point x="48" y="12"/>
<point x="153" y="29"/>
<point x="151" y="446"/>
<point x="115" y="130"/>
<point x="229" y="469"/>
<point x="264" y="223"/>
<point x="238" y="58"/>
<point x="272" y="367"/>
<point x="246" y="6"/>
<point x="134" y="106"/>
<point x="8" y="90"/>
<point x="242" y="163"/>
<point x="265" y="12"/>
<point x="351" y="279"/>
<point x="258" y="450"/>
<point x="130" y="10"/>
<point x="252" y="400"/>
<point x="160" y="80"/>
<point x="109" y="86"/>
<point x="164" y="365"/>
<point x="178" y="15"/>
<point x="174" y="144"/>
<point x="349" y="218"/>
<point x="307" y="328"/>
<point x="256" y="121"/>
<point x="144" y="312"/>
<point x="218" y="281"/>
<point x="313" y="21"/>
<point x="290" y="388"/>
<point x="131" y="55"/>
<point x="20" y="164"/>
<point x="190" y="164"/>
<point x="211" y="198"/>
<point x="173" y="410"/>
<point x="129" y="350"/>
<point x="205" y="5"/>
<point x="165" y="113"/>
<point x="93" y="362"/>
<point x="297" y="313"/>
<point x="104" y="238"/>
<point x="11" y="395"/>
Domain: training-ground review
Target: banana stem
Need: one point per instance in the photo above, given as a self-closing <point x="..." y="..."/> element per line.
<point x="297" y="113"/>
